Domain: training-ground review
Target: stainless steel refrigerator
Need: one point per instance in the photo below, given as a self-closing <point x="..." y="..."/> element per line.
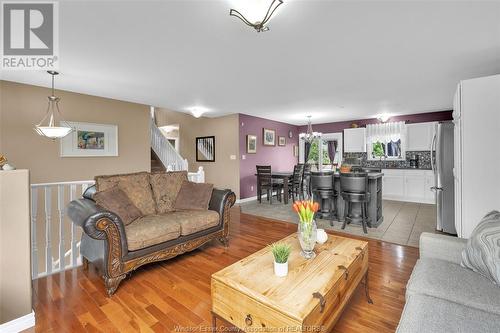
<point x="442" y="165"/>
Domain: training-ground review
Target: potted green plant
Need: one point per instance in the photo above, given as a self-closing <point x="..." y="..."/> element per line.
<point x="281" y="252"/>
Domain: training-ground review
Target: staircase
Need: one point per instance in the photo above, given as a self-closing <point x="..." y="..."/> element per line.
<point x="163" y="154"/>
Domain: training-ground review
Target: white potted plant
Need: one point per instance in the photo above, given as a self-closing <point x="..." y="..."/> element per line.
<point x="281" y="252"/>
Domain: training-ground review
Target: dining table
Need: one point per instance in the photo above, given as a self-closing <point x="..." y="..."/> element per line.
<point x="286" y="176"/>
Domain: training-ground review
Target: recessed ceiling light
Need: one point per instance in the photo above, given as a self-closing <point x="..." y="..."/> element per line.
<point x="198" y="111"/>
<point x="384" y="117"/>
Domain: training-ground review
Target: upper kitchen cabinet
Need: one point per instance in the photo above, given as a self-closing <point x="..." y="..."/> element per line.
<point x="419" y="136"/>
<point x="355" y="140"/>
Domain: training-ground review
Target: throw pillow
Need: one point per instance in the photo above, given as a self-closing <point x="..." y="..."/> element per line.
<point x="194" y="196"/>
<point x="135" y="185"/>
<point x="116" y="201"/>
<point x="166" y="186"/>
<point x="482" y="252"/>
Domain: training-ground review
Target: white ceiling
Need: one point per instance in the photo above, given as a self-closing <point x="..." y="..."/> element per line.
<point x="335" y="60"/>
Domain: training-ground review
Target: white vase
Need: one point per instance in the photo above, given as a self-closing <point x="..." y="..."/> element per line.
<point x="281" y="269"/>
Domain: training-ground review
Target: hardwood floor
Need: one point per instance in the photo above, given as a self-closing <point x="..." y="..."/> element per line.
<point x="164" y="296"/>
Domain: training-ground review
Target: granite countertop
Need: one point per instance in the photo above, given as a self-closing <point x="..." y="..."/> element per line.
<point x="371" y="175"/>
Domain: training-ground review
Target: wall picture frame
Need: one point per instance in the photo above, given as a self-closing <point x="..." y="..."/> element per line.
<point x="205" y="149"/>
<point x="268" y="137"/>
<point x="251" y="144"/>
<point x="90" y="140"/>
<point x="281" y="141"/>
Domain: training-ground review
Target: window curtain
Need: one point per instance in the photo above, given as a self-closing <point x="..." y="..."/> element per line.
<point x="386" y="132"/>
<point x="332" y="149"/>
<point x="307" y="149"/>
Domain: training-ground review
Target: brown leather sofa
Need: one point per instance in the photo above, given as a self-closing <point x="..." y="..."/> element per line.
<point x="117" y="249"/>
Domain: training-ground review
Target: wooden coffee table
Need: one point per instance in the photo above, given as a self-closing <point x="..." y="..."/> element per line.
<point x="249" y="296"/>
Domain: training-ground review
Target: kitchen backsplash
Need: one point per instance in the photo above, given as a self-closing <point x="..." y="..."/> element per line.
<point x="424" y="160"/>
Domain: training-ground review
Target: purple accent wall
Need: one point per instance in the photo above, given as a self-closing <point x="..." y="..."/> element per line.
<point x="280" y="158"/>
<point x="410" y="118"/>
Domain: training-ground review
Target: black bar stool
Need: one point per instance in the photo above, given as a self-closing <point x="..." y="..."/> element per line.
<point x="324" y="193"/>
<point x="354" y="190"/>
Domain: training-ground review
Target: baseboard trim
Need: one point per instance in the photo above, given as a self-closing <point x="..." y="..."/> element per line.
<point x="19" y="324"/>
<point x="247" y="199"/>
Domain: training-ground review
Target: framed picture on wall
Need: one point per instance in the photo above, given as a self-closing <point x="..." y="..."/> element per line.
<point x="268" y="137"/>
<point x="90" y="140"/>
<point x="281" y="141"/>
<point x="251" y="144"/>
<point x="205" y="149"/>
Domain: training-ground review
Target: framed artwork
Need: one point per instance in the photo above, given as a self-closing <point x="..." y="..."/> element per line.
<point x="268" y="137"/>
<point x="295" y="150"/>
<point x="205" y="149"/>
<point x="251" y="144"/>
<point x="90" y="140"/>
<point x="281" y="141"/>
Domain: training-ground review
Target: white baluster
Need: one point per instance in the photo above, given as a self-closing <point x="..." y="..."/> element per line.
<point x="48" y="229"/>
<point x="34" y="246"/>
<point x="60" y="208"/>
<point x="74" y="256"/>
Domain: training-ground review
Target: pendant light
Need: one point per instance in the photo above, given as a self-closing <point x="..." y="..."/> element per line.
<point x="310" y="136"/>
<point x="52" y="125"/>
<point x="259" y="26"/>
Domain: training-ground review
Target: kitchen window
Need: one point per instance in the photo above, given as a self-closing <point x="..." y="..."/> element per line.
<point x="386" y="141"/>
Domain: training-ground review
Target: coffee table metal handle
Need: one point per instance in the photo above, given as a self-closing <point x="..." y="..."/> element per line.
<point x="248" y="320"/>
<point x="345" y="269"/>
<point x="322" y="301"/>
<point x="362" y="252"/>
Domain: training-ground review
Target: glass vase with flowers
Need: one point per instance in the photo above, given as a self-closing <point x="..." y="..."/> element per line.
<point x="307" y="226"/>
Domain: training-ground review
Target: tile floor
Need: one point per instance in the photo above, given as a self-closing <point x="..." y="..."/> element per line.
<point x="403" y="221"/>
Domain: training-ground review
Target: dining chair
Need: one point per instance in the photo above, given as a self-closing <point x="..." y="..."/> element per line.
<point x="306" y="181"/>
<point x="295" y="183"/>
<point x="266" y="182"/>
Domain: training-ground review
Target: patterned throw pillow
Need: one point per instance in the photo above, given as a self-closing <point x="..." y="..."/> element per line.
<point x="166" y="186"/>
<point x="135" y="185"/>
<point x="482" y="253"/>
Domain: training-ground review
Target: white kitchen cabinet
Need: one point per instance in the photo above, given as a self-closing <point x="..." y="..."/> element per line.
<point x="355" y="140"/>
<point x="419" y="136"/>
<point x="393" y="184"/>
<point x="408" y="185"/>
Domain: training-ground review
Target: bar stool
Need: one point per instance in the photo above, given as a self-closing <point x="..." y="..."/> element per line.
<point x="306" y="181"/>
<point x="354" y="190"/>
<point x="324" y="193"/>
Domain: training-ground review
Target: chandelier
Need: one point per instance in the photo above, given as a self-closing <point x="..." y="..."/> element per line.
<point x="310" y="136"/>
<point x="52" y="125"/>
<point x="259" y="26"/>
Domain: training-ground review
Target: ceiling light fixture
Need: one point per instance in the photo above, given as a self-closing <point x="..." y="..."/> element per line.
<point x="310" y="136"/>
<point x="259" y="26"/>
<point x="198" y="111"/>
<point x="52" y="125"/>
<point x="384" y="117"/>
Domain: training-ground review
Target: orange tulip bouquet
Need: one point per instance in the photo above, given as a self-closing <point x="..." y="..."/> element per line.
<point x="307" y="226"/>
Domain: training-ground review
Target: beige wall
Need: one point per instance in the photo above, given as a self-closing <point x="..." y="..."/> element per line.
<point x="15" y="264"/>
<point x="224" y="172"/>
<point x="22" y="106"/>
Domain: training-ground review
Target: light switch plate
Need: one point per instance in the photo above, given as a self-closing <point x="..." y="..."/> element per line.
<point x="243" y="157"/>
<point x="232" y="157"/>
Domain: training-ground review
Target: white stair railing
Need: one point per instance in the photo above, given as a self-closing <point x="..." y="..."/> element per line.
<point x="52" y="233"/>
<point x="167" y="154"/>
